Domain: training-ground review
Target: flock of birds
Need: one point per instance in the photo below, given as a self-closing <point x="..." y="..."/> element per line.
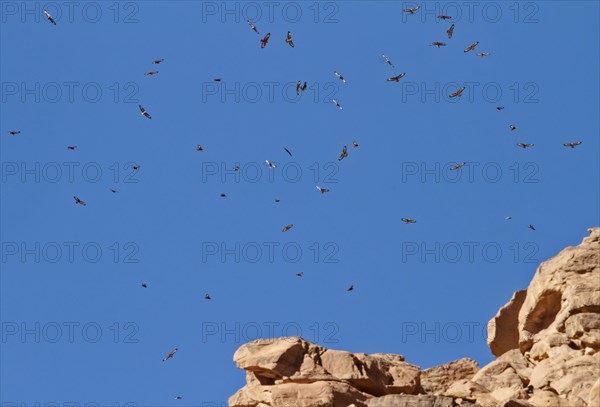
<point x="301" y="88"/>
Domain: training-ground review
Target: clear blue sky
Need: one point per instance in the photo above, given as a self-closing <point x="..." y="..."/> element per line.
<point x="544" y="60"/>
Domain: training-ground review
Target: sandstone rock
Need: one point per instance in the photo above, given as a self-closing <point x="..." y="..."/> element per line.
<point x="436" y="380"/>
<point x="410" y="401"/>
<point x="507" y="338"/>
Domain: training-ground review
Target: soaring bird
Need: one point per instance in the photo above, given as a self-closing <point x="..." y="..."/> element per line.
<point x="114" y="191"/>
<point x="265" y="40"/>
<point x="499" y="107"/>
<point x="170" y="355"/>
<point x="443" y="17"/>
<point x="136" y="167"/>
<point x="457" y="93"/>
<point x="350" y="288"/>
<point x="337" y="104"/>
<point x="289" y="40"/>
<point x="157" y="61"/>
<point x="525" y="145"/>
<point x="178" y="397"/>
<point x="412" y="10"/>
<point x="252" y="26"/>
<point x="407" y="220"/>
<point x="144" y="285"/>
<point x="572" y="145"/>
<point x="300" y="274"/>
<point x="388" y="61"/>
<point x="199" y="148"/>
<point x="304" y="87"/>
<point x="450" y="31"/>
<point x="287" y="227"/>
<point x="236" y="168"/>
<point x="207" y="297"/>
<point x="79" y="201"/>
<point x="298" y="85"/>
<point x="217" y="80"/>
<point x="222" y="195"/>
<point x="355" y="144"/>
<point x="437" y="44"/>
<point x="471" y="47"/>
<point x="71" y="147"/>
<point x="339" y="76"/>
<point x="322" y="190"/>
<point x="483" y="54"/>
<point x="508" y="218"/>
<point x="396" y="78"/>
<point x="49" y="17"/>
<point x="531" y="227"/>
<point x="15" y="132"/>
<point x="151" y="73"/>
<point x="458" y="166"/>
<point x="512" y="127"/>
<point x="270" y="164"/>
<point x="344" y="154"/>
<point x="144" y="112"/>
<point x="287" y="151"/>
<point x="277" y="200"/>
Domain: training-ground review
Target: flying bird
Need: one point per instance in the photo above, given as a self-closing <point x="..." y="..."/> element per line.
<point x="303" y="88"/>
<point x="270" y="164"/>
<point x="350" y="288"/>
<point x="151" y="73"/>
<point x="525" y="145"/>
<point x="157" y="61"/>
<point x="396" y="78"/>
<point x="199" y="148"/>
<point x="355" y="144"/>
<point x="450" y="31"/>
<point x="407" y="220"/>
<point x="277" y="200"/>
<point x="508" y="218"/>
<point x="178" y="397"/>
<point x="388" y="61"/>
<point x="483" y="54"/>
<point x="322" y="190"/>
<point x="170" y="355"/>
<point x="457" y="93"/>
<point x="412" y="10"/>
<point x="71" y="147"/>
<point x="144" y="285"/>
<point x="531" y="227"/>
<point x="287" y="151"/>
<point x="471" y="47"/>
<point x="236" y="168"/>
<point x="512" y="127"/>
<point x="223" y="196"/>
<point x="458" y="166"/>
<point x="217" y="80"/>
<point x="572" y="145"/>
<point x="344" y="154"/>
<point x="499" y="107"/>
<point x="287" y="227"/>
<point x="339" y="76"/>
<point x="300" y="274"/>
<point x="337" y="104"/>
<point x="265" y="40"/>
<point x="79" y="201"/>
<point x="136" y="167"/>
<point x="207" y="297"/>
<point x="289" y="40"/>
<point x="49" y="17"/>
<point x="298" y="84"/>
<point x="114" y="191"/>
<point x="252" y="26"/>
<point x="443" y="17"/>
<point x="437" y="44"/>
<point x="144" y="112"/>
<point x="15" y="132"/>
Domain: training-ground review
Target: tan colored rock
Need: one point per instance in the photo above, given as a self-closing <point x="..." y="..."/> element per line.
<point x="410" y="401"/>
<point x="437" y="380"/>
<point x="507" y="338"/>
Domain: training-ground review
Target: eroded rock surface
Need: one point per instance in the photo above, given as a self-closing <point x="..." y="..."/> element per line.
<point x="546" y="339"/>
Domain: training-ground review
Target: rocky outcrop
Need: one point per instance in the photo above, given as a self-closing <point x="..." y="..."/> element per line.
<point x="546" y="339"/>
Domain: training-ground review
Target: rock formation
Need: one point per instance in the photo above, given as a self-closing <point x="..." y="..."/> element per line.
<point x="546" y="339"/>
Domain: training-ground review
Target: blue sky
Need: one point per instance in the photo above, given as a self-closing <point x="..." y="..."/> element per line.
<point x="419" y="290"/>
